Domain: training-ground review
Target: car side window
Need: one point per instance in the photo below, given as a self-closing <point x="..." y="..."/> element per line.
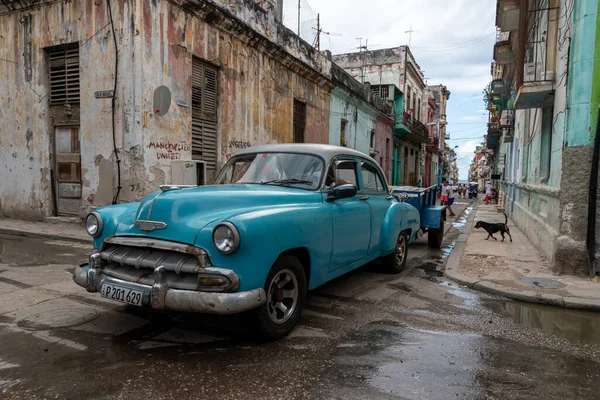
<point x="342" y="172"/>
<point x="371" y="180"/>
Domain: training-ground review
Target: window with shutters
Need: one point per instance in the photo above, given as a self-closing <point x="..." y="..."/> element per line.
<point x="204" y="113"/>
<point x="63" y="74"/>
<point x="299" y="121"/>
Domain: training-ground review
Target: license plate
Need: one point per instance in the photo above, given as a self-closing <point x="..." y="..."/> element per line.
<point x="122" y="294"/>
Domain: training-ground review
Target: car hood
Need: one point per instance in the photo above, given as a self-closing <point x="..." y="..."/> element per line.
<point x="186" y="211"/>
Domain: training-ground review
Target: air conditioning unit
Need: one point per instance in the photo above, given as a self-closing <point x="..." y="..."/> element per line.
<point x="188" y="172"/>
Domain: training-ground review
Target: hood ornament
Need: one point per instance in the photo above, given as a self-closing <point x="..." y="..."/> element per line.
<point x="149" y="226"/>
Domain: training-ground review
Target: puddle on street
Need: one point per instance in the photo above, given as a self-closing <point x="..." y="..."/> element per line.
<point x="573" y="325"/>
<point x="28" y="252"/>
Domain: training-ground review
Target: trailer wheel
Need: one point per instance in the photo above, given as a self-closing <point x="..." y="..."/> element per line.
<point x="435" y="236"/>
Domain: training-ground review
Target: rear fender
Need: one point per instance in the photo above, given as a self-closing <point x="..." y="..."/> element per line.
<point x="399" y="218"/>
<point x="431" y="216"/>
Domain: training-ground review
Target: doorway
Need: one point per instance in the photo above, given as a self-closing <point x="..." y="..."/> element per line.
<point x="68" y="170"/>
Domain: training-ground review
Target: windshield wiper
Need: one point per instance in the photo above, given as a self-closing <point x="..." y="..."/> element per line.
<point x="290" y="181"/>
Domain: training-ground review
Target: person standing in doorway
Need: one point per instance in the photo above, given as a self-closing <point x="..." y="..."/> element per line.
<point x="488" y="192"/>
<point x="450" y="195"/>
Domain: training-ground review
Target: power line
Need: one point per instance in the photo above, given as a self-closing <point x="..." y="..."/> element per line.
<point x="455" y="47"/>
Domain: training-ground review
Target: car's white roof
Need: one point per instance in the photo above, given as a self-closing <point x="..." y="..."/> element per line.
<point x="326" y="151"/>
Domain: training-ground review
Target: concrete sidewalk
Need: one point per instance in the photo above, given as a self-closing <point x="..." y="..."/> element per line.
<point x="56" y="231"/>
<point x="514" y="269"/>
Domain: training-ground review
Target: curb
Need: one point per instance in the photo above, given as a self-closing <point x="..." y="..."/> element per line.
<point x="41" y="235"/>
<point x="451" y="272"/>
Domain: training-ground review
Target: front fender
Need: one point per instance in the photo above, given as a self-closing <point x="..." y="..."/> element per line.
<point x="112" y="216"/>
<point x="400" y="217"/>
<point x="265" y="234"/>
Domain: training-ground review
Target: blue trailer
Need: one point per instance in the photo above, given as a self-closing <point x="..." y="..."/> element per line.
<point x="432" y="215"/>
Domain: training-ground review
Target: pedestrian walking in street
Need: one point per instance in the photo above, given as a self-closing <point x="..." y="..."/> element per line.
<point x="488" y="192"/>
<point x="444" y="196"/>
<point x="450" y="197"/>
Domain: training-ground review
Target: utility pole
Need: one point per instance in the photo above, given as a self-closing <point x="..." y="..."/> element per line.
<point x="299" y="17"/>
<point x="318" y="32"/>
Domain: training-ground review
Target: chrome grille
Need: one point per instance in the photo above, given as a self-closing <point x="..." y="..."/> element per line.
<point x="139" y="257"/>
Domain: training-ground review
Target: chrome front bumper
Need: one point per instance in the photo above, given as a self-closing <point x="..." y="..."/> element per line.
<point x="160" y="296"/>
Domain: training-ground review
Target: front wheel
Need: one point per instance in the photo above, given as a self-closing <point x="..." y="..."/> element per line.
<point x="285" y="288"/>
<point x="436" y="235"/>
<point x="396" y="261"/>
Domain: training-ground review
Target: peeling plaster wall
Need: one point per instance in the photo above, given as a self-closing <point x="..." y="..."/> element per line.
<point x="26" y="130"/>
<point x="384" y="142"/>
<point x="258" y="82"/>
<point x="360" y="121"/>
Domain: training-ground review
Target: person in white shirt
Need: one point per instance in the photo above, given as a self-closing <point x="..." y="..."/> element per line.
<point x="450" y="194"/>
<point x="488" y="192"/>
<point x="444" y="195"/>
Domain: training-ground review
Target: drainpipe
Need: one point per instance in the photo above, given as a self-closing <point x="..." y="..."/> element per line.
<point x="592" y="197"/>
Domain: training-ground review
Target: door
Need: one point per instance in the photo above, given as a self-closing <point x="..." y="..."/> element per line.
<point x="405" y="172"/>
<point x="351" y="220"/>
<point x="68" y="171"/>
<point x="374" y="190"/>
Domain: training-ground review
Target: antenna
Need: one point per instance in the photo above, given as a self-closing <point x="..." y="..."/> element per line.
<point x="410" y="32"/>
<point x="321" y="31"/>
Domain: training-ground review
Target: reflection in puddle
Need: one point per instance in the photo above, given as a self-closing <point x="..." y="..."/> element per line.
<point x="570" y="324"/>
<point x="406" y="367"/>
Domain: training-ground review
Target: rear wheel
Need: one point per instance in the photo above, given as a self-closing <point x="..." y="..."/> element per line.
<point x="285" y="289"/>
<point x="396" y="261"/>
<point x="435" y="236"/>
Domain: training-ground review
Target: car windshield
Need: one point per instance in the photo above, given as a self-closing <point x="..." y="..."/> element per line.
<point x="280" y="169"/>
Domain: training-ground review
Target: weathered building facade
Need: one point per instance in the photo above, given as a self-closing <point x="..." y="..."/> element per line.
<point x="235" y="77"/>
<point x="440" y="95"/>
<point x="359" y="119"/>
<point x="543" y="123"/>
<point x="397" y="66"/>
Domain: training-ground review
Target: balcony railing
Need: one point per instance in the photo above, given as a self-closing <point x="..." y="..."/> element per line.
<point x="415" y="125"/>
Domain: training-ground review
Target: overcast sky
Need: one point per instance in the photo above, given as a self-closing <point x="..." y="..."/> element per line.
<point x="453" y="43"/>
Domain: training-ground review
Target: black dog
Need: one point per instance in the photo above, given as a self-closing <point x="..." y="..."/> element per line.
<point x="492" y="228"/>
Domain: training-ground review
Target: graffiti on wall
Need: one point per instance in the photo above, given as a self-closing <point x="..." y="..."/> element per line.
<point x="168" y="150"/>
<point x="238" y="144"/>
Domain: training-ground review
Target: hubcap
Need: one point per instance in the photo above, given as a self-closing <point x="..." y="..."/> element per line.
<point x="282" y="296"/>
<point x="400" y="250"/>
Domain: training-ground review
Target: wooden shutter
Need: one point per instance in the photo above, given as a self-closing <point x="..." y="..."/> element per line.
<point x="299" y="121"/>
<point x="204" y="113"/>
<point x="63" y="73"/>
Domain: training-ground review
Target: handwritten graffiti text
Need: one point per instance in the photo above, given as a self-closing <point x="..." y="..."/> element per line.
<point x="239" y="144"/>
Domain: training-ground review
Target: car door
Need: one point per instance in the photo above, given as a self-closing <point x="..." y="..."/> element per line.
<point x="351" y="219"/>
<point x="374" y="189"/>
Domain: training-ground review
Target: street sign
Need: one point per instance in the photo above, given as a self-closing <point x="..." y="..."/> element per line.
<point x="103" y="94"/>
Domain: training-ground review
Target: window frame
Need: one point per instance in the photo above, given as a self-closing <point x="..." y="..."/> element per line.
<point x="377" y="174"/>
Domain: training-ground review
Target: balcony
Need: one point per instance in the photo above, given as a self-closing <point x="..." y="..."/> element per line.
<point x="433" y="146"/>
<point x="507" y="15"/>
<point x="539" y="63"/>
<point x="503" y="48"/>
<point x="494" y="129"/>
<point x="411" y="129"/>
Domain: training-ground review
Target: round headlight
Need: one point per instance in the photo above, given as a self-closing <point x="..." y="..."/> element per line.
<point x="93" y="224"/>
<point x="226" y="238"/>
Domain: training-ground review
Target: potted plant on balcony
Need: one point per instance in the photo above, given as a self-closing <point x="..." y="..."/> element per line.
<point x="488" y="97"/>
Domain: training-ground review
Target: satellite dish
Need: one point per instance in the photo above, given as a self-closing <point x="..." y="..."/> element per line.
<point x="162" y="100"/>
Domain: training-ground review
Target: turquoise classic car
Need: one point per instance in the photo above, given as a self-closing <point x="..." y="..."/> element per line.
<point x="280" y="220"/>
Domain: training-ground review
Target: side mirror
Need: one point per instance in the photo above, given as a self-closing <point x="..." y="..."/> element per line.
<point x="342" y="192"/>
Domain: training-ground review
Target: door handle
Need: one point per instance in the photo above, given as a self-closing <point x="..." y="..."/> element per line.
<point x="389" y="197"/>
<point x="364" y="197"/>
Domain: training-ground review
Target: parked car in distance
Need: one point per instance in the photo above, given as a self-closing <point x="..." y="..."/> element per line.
<point x="280" y="220"/>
